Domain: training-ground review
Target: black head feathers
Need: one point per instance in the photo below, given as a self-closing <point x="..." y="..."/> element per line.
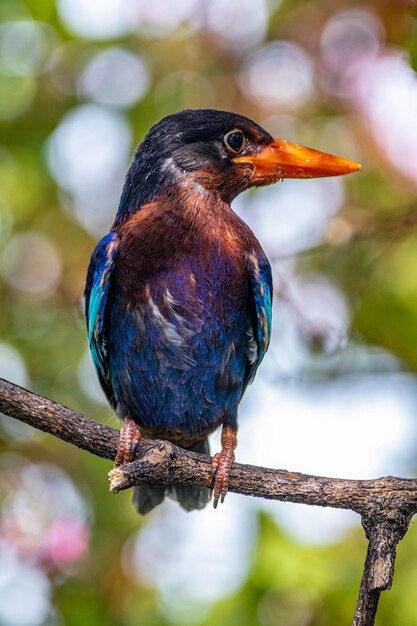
<point x="188" y="141"/>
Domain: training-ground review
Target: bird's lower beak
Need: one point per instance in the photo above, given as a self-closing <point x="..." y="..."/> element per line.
<point x="282" y="159"/>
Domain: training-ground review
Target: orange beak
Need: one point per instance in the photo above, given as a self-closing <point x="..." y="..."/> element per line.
<point x="283" y="159"/>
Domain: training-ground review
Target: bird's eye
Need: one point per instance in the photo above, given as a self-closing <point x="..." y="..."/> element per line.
<point x="235" y="140"/>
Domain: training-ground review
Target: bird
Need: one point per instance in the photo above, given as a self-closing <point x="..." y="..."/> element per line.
<point x="178" y="296"/>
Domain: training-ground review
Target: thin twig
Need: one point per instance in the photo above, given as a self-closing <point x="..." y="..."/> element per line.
<point x="385" y="504"/>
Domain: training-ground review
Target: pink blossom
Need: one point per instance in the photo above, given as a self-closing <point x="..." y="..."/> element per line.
<point x="66" y="541"/>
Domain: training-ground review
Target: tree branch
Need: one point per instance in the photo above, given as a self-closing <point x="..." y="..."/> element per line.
<point x="386" y="505"/>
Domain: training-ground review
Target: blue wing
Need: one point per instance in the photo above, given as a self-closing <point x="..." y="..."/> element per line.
<point x="259" y="329"/>
<point x="96" y="292"/>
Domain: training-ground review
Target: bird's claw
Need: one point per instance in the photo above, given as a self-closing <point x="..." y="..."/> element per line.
<point x="129" y="439"/>
<point x="222" y="463"/>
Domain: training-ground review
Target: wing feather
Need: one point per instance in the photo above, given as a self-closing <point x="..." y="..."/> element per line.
<point x="259" y="325"/>
<point x="96" y="293"/>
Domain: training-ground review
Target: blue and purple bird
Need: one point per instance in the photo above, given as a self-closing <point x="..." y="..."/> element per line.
<point x="179" y="293"/>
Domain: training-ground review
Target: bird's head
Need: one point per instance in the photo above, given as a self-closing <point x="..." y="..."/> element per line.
<point x="223" y="153"/>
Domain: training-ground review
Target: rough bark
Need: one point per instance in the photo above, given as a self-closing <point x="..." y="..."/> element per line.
<point x="386" y="505"/>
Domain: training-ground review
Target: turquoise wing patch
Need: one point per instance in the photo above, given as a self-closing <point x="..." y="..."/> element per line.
<point x="259" y="333"/>
<point x="96" y="292"/>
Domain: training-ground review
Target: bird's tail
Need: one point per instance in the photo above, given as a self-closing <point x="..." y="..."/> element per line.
<point x="190" y="497"/>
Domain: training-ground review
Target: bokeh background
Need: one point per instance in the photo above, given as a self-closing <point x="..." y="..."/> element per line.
<point x="80" y="83"/>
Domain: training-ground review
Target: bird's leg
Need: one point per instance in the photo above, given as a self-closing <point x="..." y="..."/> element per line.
<point x="129" y="439"/>
<point x="222" y="463"/>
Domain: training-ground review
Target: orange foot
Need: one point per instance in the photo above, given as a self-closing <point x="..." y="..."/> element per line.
<point x="129" y="439"/>
<point x="222" y="463"/>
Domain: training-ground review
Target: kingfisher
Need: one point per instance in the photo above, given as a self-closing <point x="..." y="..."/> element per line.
<point x="178" y="296"/>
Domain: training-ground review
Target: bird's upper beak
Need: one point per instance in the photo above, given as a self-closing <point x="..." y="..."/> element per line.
<point x="282" y="159"/>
